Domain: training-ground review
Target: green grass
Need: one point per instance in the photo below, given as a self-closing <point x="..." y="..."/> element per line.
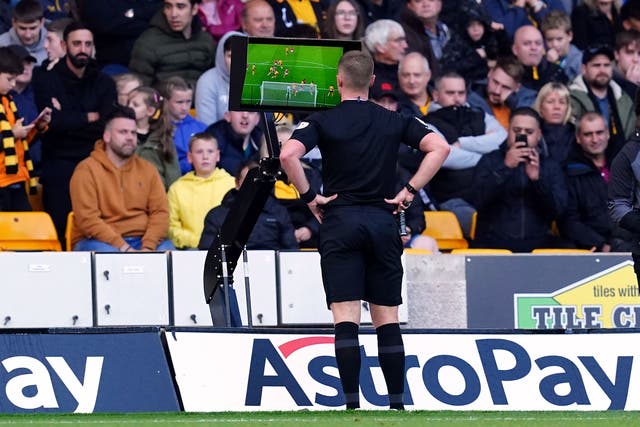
<point x="310" y="67"/>
<point x="335" y="419"/>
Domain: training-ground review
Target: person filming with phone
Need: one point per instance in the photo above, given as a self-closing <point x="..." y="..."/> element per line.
<point x="16" y="166"/>
<point x="518" y="190"/>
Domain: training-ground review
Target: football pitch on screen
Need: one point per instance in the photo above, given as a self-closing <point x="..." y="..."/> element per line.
<point x="296" y="76"/>
<point x="335" y="419"/>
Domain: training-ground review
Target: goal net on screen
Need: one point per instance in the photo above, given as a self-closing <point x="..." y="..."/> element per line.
<point x="292" y="94"/>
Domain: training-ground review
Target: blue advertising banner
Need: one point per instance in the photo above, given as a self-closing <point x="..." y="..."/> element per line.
<point x="85" y="373"/>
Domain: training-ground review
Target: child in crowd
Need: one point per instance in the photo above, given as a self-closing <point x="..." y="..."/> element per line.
<point x="145" y="101"/>
<point x="194" y="194"/>
<point x="15" y="162"/>
<point x="176" y="120"/>
<point x="557" y="32"/>
<point x="473" y="51"/>
<point x="125" y="83"/>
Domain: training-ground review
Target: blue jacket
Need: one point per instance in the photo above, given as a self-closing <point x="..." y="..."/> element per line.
<point x="181" y="135"/>
<point x="512" y="17"/>
<point x="230" y="144"/>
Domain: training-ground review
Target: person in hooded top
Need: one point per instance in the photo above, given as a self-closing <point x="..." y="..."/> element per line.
<point x="212" y="89"/>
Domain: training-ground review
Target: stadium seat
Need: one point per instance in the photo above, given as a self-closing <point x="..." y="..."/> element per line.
<point x="445" y="228"/>
<point x="472" y="229"/>
<point x="67" y="232"/>
<point x="560" y="251"/>
<point x="480" y="251"/>
<point x="413" y="251"/>
<point x="28" y="231"/>
<point x="284" y="191"/>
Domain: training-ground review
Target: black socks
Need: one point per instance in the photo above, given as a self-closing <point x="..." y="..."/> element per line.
<point x="391" y="357"/>
<point x="348" y="359"/>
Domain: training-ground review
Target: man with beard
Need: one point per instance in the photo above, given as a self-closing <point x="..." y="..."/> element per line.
<point x="503" y="91"/>
<point x="119" y="202"/>
<point x="79" y="96"/>
<point x="595" y="90"/>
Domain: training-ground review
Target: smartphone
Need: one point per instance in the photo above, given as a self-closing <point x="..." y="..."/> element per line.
<point x="523" y="139"/>
<point x="42" y="113"/>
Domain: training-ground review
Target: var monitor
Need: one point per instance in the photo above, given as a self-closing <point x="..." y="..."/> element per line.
<point x="285" y="74"/>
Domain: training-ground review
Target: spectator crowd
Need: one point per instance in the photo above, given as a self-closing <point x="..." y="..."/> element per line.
<point x="118" y="111"/>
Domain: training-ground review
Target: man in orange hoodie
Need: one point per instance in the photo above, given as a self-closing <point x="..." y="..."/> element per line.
<point x="118" y="198"/>
<point x="15" y="136"/>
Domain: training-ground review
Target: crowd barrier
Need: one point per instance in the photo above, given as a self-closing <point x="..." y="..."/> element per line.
<point x="82" y="289"/>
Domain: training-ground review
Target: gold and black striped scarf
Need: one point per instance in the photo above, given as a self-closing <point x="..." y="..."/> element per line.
<point x="9" y="111"/>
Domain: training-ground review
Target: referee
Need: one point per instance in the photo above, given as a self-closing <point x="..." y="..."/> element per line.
<point x="359" y="241"/>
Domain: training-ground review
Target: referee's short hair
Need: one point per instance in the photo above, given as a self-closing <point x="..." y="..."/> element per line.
<point x="356" y="67"/>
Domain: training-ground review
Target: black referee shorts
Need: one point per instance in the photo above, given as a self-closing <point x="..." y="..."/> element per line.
<point x="360" y="250"/>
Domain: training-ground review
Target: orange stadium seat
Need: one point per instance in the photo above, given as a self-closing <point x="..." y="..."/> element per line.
<point x="284" y="191"/>
<point x="560" y="251"/>
<point x="67" y="232"/>
<point x="480" y="251"/>
<point x="445" y="228"/>
<point x="28" y="231"/>
<point x="472" y="230"/>
<point x="413" y="251"/>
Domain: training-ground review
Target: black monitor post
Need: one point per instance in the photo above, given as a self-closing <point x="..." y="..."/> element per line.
<point x="267" y="75"/>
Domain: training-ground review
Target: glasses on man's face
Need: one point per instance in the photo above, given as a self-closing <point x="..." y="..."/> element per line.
<point x="345" y="13"/>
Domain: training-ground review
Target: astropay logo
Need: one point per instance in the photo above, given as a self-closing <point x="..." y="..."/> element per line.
<point x="498" y="375"/>
<point x="29" y="383"/>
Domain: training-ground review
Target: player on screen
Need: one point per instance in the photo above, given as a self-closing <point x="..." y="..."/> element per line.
<point x="331" y="90"/>
<point x="253" y="69"/>
<point x="286" y="72"/>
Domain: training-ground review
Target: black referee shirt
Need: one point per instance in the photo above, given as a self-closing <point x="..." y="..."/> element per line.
<point x="359" y="143"/>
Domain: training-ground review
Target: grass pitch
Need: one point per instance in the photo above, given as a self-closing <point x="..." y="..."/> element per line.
<point x="334" y="419"/>
<point x="277" y="63"/>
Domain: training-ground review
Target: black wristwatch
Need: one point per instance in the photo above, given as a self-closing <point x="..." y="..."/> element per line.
<point x="410" y="188"/>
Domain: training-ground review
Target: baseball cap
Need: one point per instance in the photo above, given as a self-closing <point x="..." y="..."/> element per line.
<point x="592" y="51"/>
<point x="381" y="89"/>
<point x="22" y="53"/>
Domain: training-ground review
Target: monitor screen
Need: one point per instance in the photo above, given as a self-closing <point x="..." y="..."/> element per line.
<point x="285" y="74"/>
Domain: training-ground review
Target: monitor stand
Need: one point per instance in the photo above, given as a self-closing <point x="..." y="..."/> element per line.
<point x="222" y="256"/>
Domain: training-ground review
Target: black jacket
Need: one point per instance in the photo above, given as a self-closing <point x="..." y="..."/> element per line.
<point x="70" y="135"/>
<point x="417" y="39"/>
<point x="545" y="72"/>
<point x="273" y="230"/>
<point x="586" y="221"/>
<point x="512" y="210"/>
<point x="116" y="24"/>
<point x="592" y="27"/>
<point x="371" y="12"/>
<point x="558" y="140"/>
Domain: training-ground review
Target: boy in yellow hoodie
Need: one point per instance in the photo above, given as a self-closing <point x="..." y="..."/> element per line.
<point x="15" y="136"/>
<point x="197" y="192"/>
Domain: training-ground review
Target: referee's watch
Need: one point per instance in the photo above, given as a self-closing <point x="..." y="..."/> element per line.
<point x="410" y="188"/>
